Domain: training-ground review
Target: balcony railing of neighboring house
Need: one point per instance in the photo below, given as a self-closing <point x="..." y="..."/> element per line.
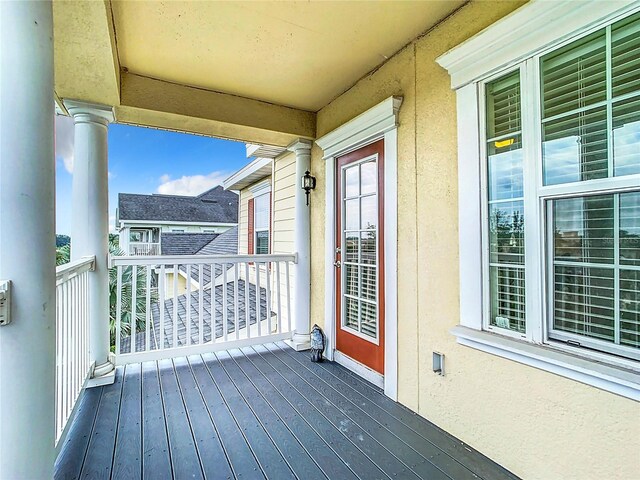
<point x="73" y="365"/>
<point x="144" y="248"/>
<point x="169" y="306"/>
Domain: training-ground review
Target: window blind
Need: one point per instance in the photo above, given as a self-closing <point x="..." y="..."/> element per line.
<point x="596" y="267"/>
<point x="505" y="203"/>
<point x="590" y="94"/>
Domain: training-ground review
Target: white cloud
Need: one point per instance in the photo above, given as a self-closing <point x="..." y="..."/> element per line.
<point x="112" y="224"/>
<point x="64" y="141"/>
<point x="190" y="185"/>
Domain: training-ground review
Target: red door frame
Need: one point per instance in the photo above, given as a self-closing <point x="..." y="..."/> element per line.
<point x="355" y="347"/>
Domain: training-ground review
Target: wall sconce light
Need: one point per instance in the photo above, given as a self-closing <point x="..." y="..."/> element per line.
<point x="308" y="184"/>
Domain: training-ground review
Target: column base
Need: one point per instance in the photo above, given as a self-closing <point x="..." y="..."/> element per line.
<point x="299" y="342"/>
<point x="103" y="374"/>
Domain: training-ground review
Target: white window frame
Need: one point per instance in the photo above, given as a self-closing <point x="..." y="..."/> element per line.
<point x="259" y="191"/>
<point x="517" y="42"/>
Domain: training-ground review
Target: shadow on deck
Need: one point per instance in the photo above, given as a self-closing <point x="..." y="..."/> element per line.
<point x="263" y="411"/>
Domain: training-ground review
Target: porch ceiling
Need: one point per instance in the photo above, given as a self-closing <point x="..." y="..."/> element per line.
<point x="253" y="71"/>
<point x="298" y="54"/>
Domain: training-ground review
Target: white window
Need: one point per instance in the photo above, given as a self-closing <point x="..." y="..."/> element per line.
<point x="558" y="158"/>
<point x="261" y="221"/>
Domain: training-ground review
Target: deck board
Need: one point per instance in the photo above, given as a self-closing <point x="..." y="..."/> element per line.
<point x="258" y="412"/>
<point x="212" y="455"/>
<point x="128" y="453"/>
<point x="182" y="448"/>
<point x="156" y="462"/>
<point x="98" y="460"/>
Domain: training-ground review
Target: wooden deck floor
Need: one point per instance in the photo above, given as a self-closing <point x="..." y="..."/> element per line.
<point x="258" y="412"/>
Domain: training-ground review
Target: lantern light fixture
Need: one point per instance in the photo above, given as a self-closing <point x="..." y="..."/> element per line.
<point x="308" y="183"/>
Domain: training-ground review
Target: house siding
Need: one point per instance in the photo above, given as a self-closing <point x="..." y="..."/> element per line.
<point x="560" y="427"/>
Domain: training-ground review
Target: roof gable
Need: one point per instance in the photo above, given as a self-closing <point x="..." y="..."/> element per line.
<point x="213" y="206"/>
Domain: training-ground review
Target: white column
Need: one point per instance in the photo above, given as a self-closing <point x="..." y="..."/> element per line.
<point x="300" y="339"/>
<point x="27" y="240"/>
<point x="90" y="229"/>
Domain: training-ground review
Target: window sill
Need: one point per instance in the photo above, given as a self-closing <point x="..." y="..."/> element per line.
<point x="613" y="379"/>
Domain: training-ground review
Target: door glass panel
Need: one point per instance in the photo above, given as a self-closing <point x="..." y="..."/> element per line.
<point x="369" y="178"/>
<point x="360" y="242"/>
<point x="352" y="214"/>
<point x="369" y="218"/>
<point x="351" y="181"/>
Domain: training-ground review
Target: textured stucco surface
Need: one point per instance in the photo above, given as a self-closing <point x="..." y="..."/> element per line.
<point x="538" y="425"/>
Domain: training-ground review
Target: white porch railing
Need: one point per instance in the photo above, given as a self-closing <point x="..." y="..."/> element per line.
<point x="73" y="364"/>
<point x="169" y="306"/>
<point x="144" y="248"/>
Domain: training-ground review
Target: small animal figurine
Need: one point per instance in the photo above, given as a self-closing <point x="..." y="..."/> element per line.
<point x="317" y="343"/>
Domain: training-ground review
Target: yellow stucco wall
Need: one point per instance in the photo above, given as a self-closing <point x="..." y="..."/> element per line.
<point x="538" y="425"/>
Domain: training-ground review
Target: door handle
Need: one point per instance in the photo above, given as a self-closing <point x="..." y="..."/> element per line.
<point x="337" y="264"/>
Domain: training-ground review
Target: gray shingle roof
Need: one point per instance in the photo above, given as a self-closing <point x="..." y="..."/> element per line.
<point x="185" y="243"/>
<point x="224" y="244"/>
<point x="210" y="310"/>
<point x="213" y="206"/>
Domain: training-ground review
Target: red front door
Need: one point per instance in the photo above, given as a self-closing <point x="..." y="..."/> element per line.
<point x="360" y="255"/>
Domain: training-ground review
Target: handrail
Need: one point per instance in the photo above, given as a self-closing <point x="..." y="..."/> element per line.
<point x="73" y="269"/>
<point x="115" y="261"/>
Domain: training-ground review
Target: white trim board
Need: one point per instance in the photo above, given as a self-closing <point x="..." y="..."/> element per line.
<point x="611" y="379"/>
<point x="248" y="174"/>
<point x="361" y="370"/>
<point x="379" y="122"/>
<point x="537" y="25"/>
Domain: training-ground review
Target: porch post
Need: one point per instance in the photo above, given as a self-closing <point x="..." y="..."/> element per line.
<point x="300" y="339"/>
<point x="27" y="240"/>
<point x="90" y="229"/>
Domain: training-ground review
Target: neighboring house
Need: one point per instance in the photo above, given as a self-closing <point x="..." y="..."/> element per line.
<point x="145" y="222"/>
<point x="266" y="220"/>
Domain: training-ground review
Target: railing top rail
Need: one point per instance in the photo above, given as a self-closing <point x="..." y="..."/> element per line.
<point x="144" y="243"/>
<point x="197" y="259"/>
<point x="71" y="269"/>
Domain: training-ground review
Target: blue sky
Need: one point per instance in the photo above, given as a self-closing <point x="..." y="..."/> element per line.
<point x="145" y="160"/>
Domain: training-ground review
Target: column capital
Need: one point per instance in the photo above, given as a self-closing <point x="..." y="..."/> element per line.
<point x="301" y="145"/>
<point x="89" y="112"/>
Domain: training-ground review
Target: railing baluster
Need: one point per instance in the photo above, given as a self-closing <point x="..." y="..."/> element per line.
<point x="161" y="306"/>
<point x="279" y="304"/>
<point x="67" y="348"/>
<point x="134" y="300"/>
<point x="247" y="300"/>
<point x="201" y="305"/>
<point x="286" y="272"/>
<point x="212" y="304"/>
<point x="175" y="305"/>
<point x="74" y="335"/>
<point x="147" y="311"/>
<point x="267" y="267"/>
<point x="188" y="312"/>
<point x="225" y="326"/>
<point x="58" y="361"/>
<point x="118" y="308"/>
<point x="258" y="299"/>
<point x="236" y="320"/>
